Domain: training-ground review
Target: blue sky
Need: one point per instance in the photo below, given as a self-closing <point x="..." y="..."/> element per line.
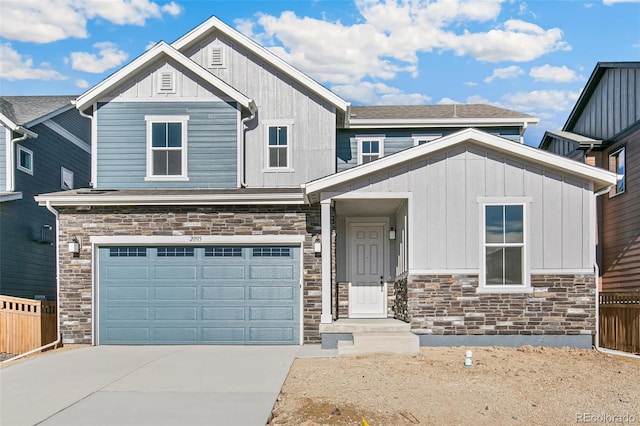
<point x="529" y="56"/>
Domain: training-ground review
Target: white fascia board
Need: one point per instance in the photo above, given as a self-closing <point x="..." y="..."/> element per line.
<point x="16" y="127"/>
<point x="602" y="177"/>
<point x="7" y="122"/>
<point x="355" y="123"/>
<point x="10" y="196"/>
<point x="99" y="90"/>
<point x="144" y="240"/>
<point x="261" y="52"/>
<point x="170" y="200"/>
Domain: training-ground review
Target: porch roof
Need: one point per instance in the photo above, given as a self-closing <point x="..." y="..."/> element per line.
<point x="601" y="178"/>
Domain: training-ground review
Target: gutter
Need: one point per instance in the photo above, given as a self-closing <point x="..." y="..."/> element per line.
<point x="596" y="268"/>
<point x="59" y="339"/>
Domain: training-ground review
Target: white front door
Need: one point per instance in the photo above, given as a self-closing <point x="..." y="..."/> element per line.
<point x="367" y="292"/>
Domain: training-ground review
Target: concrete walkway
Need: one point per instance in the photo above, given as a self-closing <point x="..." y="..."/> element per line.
<point x="146" y="385"/>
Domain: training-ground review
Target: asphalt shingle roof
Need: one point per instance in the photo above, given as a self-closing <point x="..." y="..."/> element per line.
<point x="390" y="112"/>
<point x="23" y="109"/>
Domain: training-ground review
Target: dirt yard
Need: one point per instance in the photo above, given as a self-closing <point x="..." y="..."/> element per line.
<point x="532" y="386"/>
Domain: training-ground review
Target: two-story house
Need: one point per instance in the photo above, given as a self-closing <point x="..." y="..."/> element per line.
<point x="603" y="129"/>
<point x="235" y="200"/>
<point x="44" y="147"/>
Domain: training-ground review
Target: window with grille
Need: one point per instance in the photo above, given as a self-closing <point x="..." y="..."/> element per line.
<point x="176" y="252"/>
<point x="223" y="251"/>
<point x="278" y="147"/>
<point x="504" y="245"/>
<point x="127" y="252"/>
<point x="271" y="252"/>
<point x="370" y="148"/>
<point x="166" y="147"/>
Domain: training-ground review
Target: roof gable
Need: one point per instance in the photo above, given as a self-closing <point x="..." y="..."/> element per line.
<point x="161" y="49"/>
<point x="214" y="23"/>
<point x="600" y="177"/>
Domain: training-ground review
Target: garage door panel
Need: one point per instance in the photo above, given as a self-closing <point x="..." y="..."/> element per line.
<point x="175" y="272"/>
<point x="175" y="293"/>
<point x="271" y="272"/>
<point x="176" y="313"/>
<point x="229" y="335"/>
<point x="223" y="272"/>
<point x="235" y="295"/>
<point x="124" y="293"/>
<point x="224" y="313"/>
<point x="226" y="293"/>
<point x="271" y="293"/>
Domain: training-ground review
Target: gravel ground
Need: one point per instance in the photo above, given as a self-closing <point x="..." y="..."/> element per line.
<point x="532" y="386"/>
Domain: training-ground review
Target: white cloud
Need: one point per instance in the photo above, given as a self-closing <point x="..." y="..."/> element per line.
<point x="612" y="2"/>
<point x="540" y="100"/>
<point x="81" y="83"/>
<point x="379" y="94"/>
<point x="447" y="101"/>
<point x="109" y="57"/>
<point x="555" y="74"/>
<point x="470" y="83"/>
<point x="504" y="73"/>
<point x="150" y="45"/>
<point x="13" y="66"/>
<point x="45" y="21"/>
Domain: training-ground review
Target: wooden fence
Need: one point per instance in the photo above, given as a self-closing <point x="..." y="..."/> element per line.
<point x="620" y="321"/>
<point x="26" y="324"/>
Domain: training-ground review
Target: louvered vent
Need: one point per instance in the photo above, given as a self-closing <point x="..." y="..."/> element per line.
<point x="166" y="82"/>
<point x="216" y="57"/>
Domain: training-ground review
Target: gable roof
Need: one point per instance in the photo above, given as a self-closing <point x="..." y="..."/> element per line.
<point x="214" y="23"/>
<point x="583" y="141"/>
<point x="26" y="109"/>
<point x="590" y="87"/>
<point x="87" y="99"/>
<point x="600" y="177"/>
<point x="454" y="115"/>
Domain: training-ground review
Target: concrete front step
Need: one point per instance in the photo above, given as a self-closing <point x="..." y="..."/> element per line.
<point x="376" y="325"/>
<point x="404" y="343"/>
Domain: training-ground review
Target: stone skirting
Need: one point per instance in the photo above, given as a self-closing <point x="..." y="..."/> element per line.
<point x="76" y="286"/>
<point x="400" y="299"/>
<point x="450" y="305"/>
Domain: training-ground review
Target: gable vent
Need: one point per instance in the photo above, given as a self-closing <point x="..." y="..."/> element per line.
<point x="216" y="57"/>
<point x="166" y="82"/>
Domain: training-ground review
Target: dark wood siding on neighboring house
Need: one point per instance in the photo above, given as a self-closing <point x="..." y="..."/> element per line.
<point x="620" y="231"/>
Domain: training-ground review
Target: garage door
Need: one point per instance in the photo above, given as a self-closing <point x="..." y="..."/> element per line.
<point x="199" y="295"/>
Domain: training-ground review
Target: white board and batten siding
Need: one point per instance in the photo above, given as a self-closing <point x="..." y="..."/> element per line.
<point x="447" y="190"/>
<point x="279" y="100"/>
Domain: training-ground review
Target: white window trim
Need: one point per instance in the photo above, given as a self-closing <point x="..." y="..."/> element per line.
<point x="18" y="165"/>
<point x="64" y="170"/>
<point x="425" y="137"/>
<point x="614" y="189"/>
<point x="279" y="123"/>
<point x="525" y="287"/>
<point x="367" y="138"/>
<point x="150" y="119"/>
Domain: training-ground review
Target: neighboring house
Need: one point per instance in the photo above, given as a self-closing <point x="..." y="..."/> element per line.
<point x="604" y="130"/>
<point x="237" y="201"/>
<point x="44" y="147"/>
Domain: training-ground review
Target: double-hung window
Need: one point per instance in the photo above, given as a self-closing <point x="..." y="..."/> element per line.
<point x="504" y="249"/>
<point x="167" y="147"/>
<point x="278" y="147"/>
<point x="370" y="148"/>
<point x="617" y="165"/>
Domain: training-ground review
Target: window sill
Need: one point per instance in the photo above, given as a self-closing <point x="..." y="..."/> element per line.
<point x="166" y="179"/>
<point x="283" y="170"/>
<point x="519" y="289"/>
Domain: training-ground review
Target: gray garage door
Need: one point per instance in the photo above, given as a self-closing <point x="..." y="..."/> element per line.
<point x="199" y="295"/>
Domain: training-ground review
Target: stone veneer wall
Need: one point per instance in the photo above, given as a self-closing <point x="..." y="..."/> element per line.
<point x="75" y="301"/>
<point x="449" y="305"/>
<point x="400" y="310"/>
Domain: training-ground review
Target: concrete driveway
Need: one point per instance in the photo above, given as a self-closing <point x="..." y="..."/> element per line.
<point x="145" y="385"/>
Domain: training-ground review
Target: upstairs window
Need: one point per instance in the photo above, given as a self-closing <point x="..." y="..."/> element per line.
<point x="278" y="147"/>
<point x="504" y="246"/>
<point x="370" y="149"/>
<point x="66" y="178"/>
<point x="25" y="160"/>
<point x="167" y="147"/>
<point x="422" y="139"/>
<point x="618" y="166"/>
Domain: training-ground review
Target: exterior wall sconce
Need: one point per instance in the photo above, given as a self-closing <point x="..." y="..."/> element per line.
<point x="74" y="246"/>
<point x="392" y="234"/>
<point x="317" y="246"/>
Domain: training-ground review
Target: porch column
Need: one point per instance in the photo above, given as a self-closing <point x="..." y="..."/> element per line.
<point x="325" y="213"/>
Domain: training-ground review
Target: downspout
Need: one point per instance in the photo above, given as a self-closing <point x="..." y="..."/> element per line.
<point x="93" y="142"/>
<point x="596" y="269"/>
<point x="59" y="339"/>
<point x="243" y="172"/>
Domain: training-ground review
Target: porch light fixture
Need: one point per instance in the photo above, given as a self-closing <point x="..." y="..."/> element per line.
<point x="74" y="246"/>
<point x="317" y="246"/>
<point x="392" y="234"/>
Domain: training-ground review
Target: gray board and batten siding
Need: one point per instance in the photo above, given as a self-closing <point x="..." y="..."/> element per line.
<point x="27" y="250"/>
<point x="212" y="144"/>
<point x="446" y="213"/>
<point x="613" y="106"/>
<point x="3" y="159"/>
<point x="396" y="140"/>
<point x="279" y="100"/>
